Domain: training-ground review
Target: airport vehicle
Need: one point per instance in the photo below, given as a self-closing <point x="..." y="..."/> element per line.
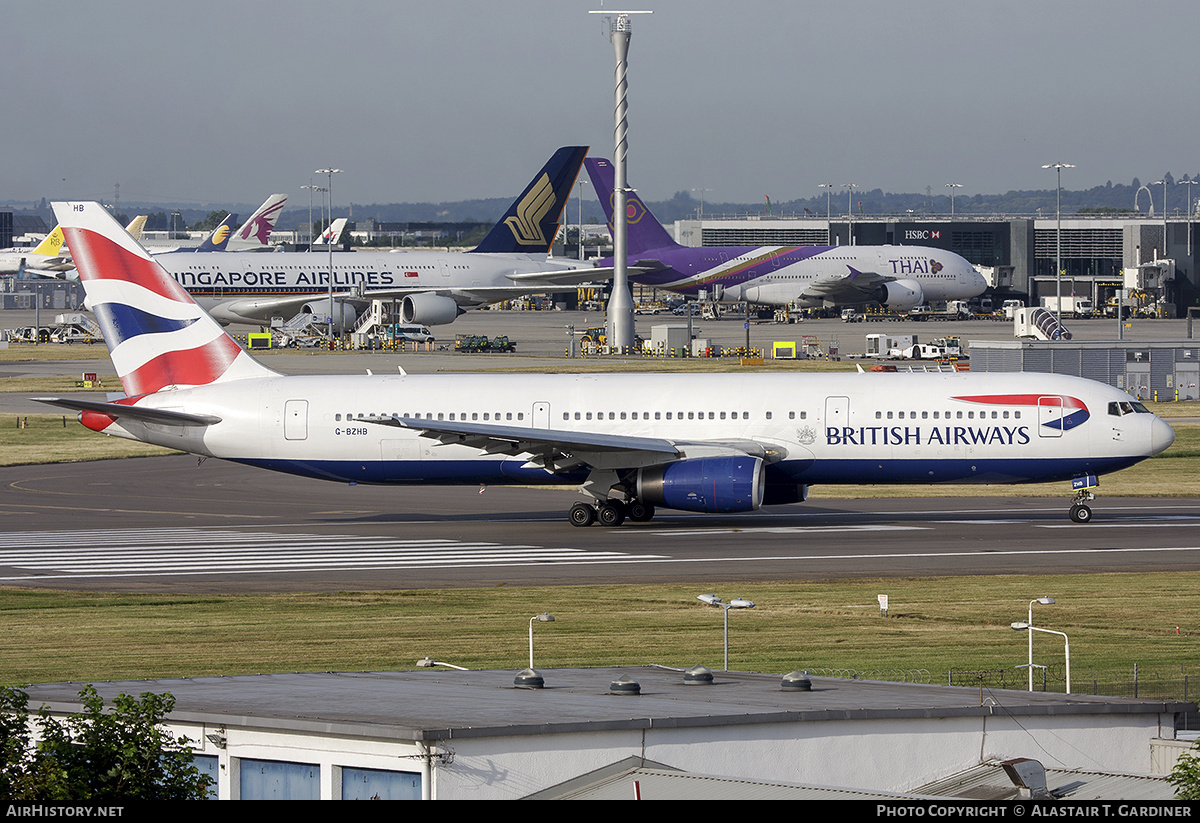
<point x="433" y="288"/>
<point x="416" y="334"/>
<point x="897" y="277"/>
<point x="1069" y="306"/>
<point x="633" y="442"/>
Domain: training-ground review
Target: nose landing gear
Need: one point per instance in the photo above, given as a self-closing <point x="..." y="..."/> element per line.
<point x="1080" y="512"/>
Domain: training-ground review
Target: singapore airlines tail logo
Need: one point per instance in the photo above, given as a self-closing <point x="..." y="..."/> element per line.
<point x="526" y="224"/>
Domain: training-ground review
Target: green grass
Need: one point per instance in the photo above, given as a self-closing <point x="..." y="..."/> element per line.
<point x="937" y="624"/>
<point x="56" y="438"/>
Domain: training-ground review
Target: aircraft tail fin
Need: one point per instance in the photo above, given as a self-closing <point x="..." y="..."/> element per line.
<point x="136" y="225"/>
<point x="643" y="232"/>
<point x="258" y="228"/>
<point x="531" y="222"/>
<point x="218" y="238"/>
<point x="52" y="245"/>
<point x="157" y="336"/>
<point x="333" y="233"/>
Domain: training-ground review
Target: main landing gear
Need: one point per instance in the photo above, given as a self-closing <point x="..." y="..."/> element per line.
<point x="610" y="512"/>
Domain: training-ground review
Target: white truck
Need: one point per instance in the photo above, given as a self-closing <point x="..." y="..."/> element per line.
<point x="1069" y="306"/>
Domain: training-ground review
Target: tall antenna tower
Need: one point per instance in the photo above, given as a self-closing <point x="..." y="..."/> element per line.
<point x="116" y="198"/>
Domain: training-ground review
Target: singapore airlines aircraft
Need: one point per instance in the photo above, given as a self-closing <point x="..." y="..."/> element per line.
<point x="897" y="277"/>
<point x="432" y="287"/>
<point x="693" y="442"/>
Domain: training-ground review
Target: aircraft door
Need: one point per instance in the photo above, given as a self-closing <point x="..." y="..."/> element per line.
<point x="837" y="412"/>
<point x="295" y="420"/>
<point x="443" y="267"/>
<point x="1050" y="416"/>
<point x="541" y="415"/>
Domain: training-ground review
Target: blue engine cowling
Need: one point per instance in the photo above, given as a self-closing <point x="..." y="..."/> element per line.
<point x="707" y="484"/>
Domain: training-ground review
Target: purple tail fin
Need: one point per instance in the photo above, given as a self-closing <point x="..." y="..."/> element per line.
<point x="644" y="233"/>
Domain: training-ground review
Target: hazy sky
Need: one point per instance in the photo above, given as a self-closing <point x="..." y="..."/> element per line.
<point x="225" y="102"/>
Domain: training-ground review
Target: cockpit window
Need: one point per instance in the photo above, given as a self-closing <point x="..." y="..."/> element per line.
<point x="1140" y="408"/>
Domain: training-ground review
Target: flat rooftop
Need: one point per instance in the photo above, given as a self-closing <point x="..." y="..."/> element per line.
<point x="434" y="704"/>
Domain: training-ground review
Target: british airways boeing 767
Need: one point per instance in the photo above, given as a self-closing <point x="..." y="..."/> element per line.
<point x="897" y="277"/>
<point x="633" y="442"/>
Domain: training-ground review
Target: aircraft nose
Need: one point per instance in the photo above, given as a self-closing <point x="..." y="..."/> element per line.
<point x="1161" y="436"/>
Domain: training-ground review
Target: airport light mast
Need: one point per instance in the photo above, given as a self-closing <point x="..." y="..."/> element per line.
<point x="330" y="172"/>
<point x="1188" y="212"/>
<point x="1058" y="167"/>
<point x="620" y="303"/>
<point x="952" y="187"/>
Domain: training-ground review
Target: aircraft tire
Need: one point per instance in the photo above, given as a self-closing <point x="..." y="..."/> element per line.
<point x="581" y="514"/>
<point x="1081" y="514"/>
<point x="640" y="512"/>
<point x="611" y="513"/>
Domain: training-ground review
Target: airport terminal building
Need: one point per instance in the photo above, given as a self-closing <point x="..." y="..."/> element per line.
<point x="1100" y="254"/>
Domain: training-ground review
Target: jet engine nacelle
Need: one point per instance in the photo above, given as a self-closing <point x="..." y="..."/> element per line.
<point x="705" y="484"/>
<point x="428" y="309"/>
<point x="900" y="295"/>
<point x="345" y="316"/>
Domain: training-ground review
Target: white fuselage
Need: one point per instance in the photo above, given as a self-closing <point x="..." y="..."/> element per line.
<point x="843" y="428"/>
<point x="249" y="287"/>
<point x="811" y="275"/>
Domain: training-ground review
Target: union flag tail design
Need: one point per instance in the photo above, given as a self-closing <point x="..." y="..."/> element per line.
<point x="157" y="336"/>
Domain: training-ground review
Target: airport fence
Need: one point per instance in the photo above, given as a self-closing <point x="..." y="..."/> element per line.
<point x="1136" y="682"/>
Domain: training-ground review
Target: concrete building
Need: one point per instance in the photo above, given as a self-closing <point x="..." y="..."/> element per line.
<point x="481" y="735"/>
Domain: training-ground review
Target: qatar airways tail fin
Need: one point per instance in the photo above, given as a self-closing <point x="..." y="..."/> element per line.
<point x="531" y="222"/>
<point x="156" y="334"/>
<point x="256" y="232"/>
<point x="643" y="232"/>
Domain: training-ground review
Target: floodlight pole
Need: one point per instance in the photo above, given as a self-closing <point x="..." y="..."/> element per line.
<point x="1058" y="167"/>
<point x="330" y="172"/>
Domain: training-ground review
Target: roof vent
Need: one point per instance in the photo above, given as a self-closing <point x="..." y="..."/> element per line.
<point x="796" y="681"/>
<point x="697" y="676"/>
<point x="529" y="679"/>
<point x="625" y="685"/>
<point x="1029" y="776"/>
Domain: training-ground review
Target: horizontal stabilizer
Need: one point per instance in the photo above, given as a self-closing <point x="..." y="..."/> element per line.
<point x="118" y="410"/>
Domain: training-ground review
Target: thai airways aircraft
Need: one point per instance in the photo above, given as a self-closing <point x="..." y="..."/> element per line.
<point x="634" y="442"/>
<point x="432" y="288"/>
<point x="898" y="277"/>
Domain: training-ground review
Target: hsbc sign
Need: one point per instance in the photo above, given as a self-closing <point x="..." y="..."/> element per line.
<point x="922" y="234"/>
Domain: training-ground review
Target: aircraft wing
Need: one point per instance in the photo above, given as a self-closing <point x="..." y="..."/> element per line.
<point x="118" y="410"/>
<point x="855" y="286"/>
<point x="558" y="450"/>
<point x="575" y="277"/>
<point x="262" y="309"/>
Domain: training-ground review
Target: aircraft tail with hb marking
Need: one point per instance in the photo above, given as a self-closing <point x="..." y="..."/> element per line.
<point x="158" y="337"/>
<point x="531" y="222"/>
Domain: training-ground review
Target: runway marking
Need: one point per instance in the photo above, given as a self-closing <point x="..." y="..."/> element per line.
<point x="750" y="529"/>
<point x="181" y="552"/>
